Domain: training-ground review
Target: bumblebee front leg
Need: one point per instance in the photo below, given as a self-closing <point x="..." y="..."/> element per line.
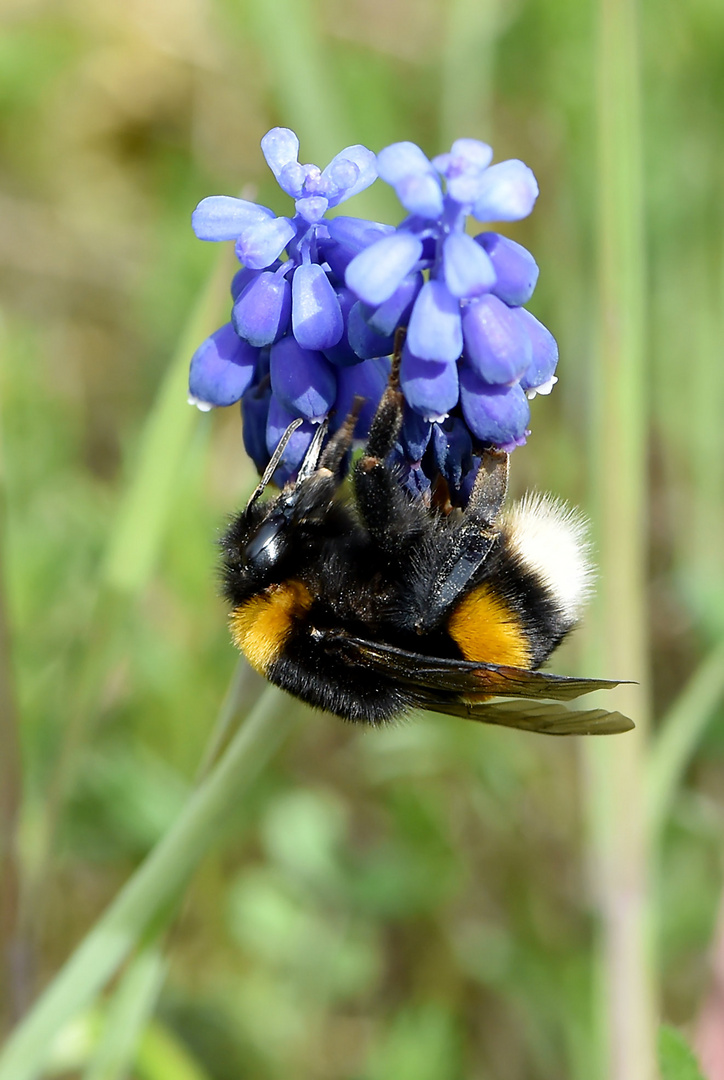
<point x="340" y="443"/>
<point x="490" y="488"/>
<point x="384" y="506"/>
<point x="387" y="421"/>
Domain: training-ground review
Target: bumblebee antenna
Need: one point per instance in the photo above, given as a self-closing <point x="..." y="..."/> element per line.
<point x="312" y="455"/>
<point x="274" y="461"/>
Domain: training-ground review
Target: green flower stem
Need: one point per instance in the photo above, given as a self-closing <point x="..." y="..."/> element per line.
<point x="615" y="789"/>
<point x="162" y="1057"/>
<point x="680" y="732"/>
<point x="245" y="685"/>
<point x="143" y="515"/>
<point x="300" y="71"/>
<point x="134" y="543"/>
<point x="136" y="996"/>
<point x="467" y="65"/>
<point x="16" y="954"/>
<point x="152" y="887"/>
<point x="133" y="1003"/>
<point x="289" y="40"/>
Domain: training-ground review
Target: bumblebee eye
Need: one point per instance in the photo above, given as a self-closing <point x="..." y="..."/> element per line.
<point x="267" y="546"/>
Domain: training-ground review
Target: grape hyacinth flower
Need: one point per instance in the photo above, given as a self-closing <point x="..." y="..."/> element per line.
<point x="318" y="301"/>
<point x="471" y="349"/>
<point x="289" y="320"/>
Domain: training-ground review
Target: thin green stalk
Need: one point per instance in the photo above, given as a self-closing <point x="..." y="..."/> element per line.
<point x="467" y="63"/>
<point x="616" y="767"/>
<point x="127" y="1015"/>
<point x="288" y="37"/>
<point x="708" y="1029"/>
<point x="135" y="998"/>
<point x="705" y="447"/>
<point x="143" y="515"/>
<point x="244" y="686"/>
<point x="154" y="885"/>
<point x="679" y="735"/>
<point x="16" y="954"/>
<point x="161" y="1057"/>
<point x="134" y="543"/>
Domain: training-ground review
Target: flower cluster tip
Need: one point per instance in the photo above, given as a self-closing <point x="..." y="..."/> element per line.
<point x="318" y="300"/>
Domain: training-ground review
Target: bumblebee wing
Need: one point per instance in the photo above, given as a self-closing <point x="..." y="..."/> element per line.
<point x="465" y="677"/>
<point x="543" y="717"/>
<point x="452" y="687"/>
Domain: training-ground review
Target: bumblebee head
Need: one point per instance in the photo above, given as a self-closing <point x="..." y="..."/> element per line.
<point x="269" y="544"/>
<point x="271" y="541"/>
<point x="261" y="543"/>
<point x="268" y="541"/>
<point x="264" y="536"/>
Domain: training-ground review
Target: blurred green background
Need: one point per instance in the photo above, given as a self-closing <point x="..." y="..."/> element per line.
<point x="415" y="903"/>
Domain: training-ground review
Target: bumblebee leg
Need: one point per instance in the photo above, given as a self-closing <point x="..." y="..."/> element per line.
<point x="340" y="443"/>
<point x="490" y="488"/>
<point x="467" y="545"/>
<point x="387" y="421"/>
<point x="386" y="509"/>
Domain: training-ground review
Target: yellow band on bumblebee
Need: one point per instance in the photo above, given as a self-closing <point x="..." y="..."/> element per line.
<point x="261" y="625"/>
<point x="486" y="629"/>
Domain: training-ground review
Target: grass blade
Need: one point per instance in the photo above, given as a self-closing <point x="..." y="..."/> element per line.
<point x="154" y="885"/>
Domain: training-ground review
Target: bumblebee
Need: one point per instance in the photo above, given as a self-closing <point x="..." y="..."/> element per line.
<point x="378" y="604"/>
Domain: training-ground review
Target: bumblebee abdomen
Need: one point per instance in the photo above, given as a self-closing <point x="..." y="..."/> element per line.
<point x="261" y="625"/>
<point x="549" y="542"/>
<point x="535" y="582"/>
<point x="275" y="632"/>
<point x="486" y="628"/>
<point x="347" y="691"/>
